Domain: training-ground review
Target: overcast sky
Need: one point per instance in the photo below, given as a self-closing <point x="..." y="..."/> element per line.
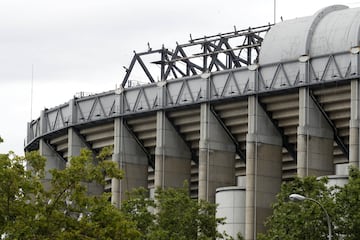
<point x="82" y="45"/>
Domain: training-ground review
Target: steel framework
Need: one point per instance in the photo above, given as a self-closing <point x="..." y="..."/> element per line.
<point x="206" y="54"/>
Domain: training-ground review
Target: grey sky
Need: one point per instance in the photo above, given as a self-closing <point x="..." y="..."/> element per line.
<point x="81" y="45"/>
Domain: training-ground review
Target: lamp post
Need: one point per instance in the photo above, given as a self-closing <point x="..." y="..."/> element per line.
<point x="297" y="197"/>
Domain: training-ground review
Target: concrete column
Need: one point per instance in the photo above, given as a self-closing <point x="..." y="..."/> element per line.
<point x="52" y="158"/>
<point x="73" y="112"/>
<point x="315" y="139"/>
<point x="172" y="155"/>
<point x="263" y="168"/>
<point x="216" y="156"/>
<point x="354" y="153"/>
<point x="53" y="161"/>
<point x="131" y="159"/>
<point x="75" y="144"/>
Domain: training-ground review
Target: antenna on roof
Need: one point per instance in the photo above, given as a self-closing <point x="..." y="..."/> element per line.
<point x="274" y="11"/>
<point x="32" y="91"/>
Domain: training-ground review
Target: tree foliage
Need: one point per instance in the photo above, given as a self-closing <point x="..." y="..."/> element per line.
<point x="140" y="209"/>
<point x="306" y="220"/>
<point x="300" y="220"/>
<point x="172" y="215"/>
<point x="64" y="210"/>
<point x="347" y="219"/>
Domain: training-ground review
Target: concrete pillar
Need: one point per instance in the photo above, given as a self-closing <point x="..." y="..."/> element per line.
<point x="75" y="144"/>
<point x="315" y="139"/>
<point x="131" y="159"/>
<point x="216" y="156"/>
<point x="263" y="168"/>
<point x="53" y="161"/>
<point x="172" y="155"/>
<point x="354" y="153"/>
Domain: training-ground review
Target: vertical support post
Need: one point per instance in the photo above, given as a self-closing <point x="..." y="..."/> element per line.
<point x="172" y="156"/>
<point x="354" y="151"/>
<point x="162" y="66"/>
<point x="216" y="156"/>
<point x="263" y="168"/>
<point x="315" y="139"/>
<point x="30" y="133"/>
<point x="52" y="160"/>
<point x="74" y="142"/>
<point x="131" y="159"/>
<point x="116" y="191"/>
<point x="73" y="112"/>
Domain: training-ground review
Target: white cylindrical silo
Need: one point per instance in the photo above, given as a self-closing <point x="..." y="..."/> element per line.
<point x="336" y="180"/>
<point x="231" y="205"/>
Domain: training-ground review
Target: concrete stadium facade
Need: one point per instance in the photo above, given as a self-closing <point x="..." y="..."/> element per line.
<point x="295" y="111"/>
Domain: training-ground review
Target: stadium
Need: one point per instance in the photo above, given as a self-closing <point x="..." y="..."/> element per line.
<point x="254" y="108"/>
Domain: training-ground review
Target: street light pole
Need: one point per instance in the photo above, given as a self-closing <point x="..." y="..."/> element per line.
<point x="297" y="197"/>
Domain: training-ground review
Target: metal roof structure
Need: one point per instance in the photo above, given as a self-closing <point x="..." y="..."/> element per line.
<point x="333" y="29"/>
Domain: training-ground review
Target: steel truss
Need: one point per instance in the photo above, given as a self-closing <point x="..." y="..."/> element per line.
<point x="207" y="54"/>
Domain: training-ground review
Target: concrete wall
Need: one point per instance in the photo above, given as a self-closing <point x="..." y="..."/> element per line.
<point x="354" y="142"/>
<point x="172" y="155"/>
<point x="315" y="139"/>
<point x="131" y="159"/>
<point x="75" y="144"/>
<point x="263" y="168"/>
<point x="216" y="156"/>
<point x="53" y="160"/>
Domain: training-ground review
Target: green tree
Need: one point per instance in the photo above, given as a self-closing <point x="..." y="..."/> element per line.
<point x="18" y="188"/>
<point x="139" y="208"/>
<point x="172" y="215"/>
<point x="65" y="210"/>
<point x="348" y="207"/>
<point x="301" y="220"/>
